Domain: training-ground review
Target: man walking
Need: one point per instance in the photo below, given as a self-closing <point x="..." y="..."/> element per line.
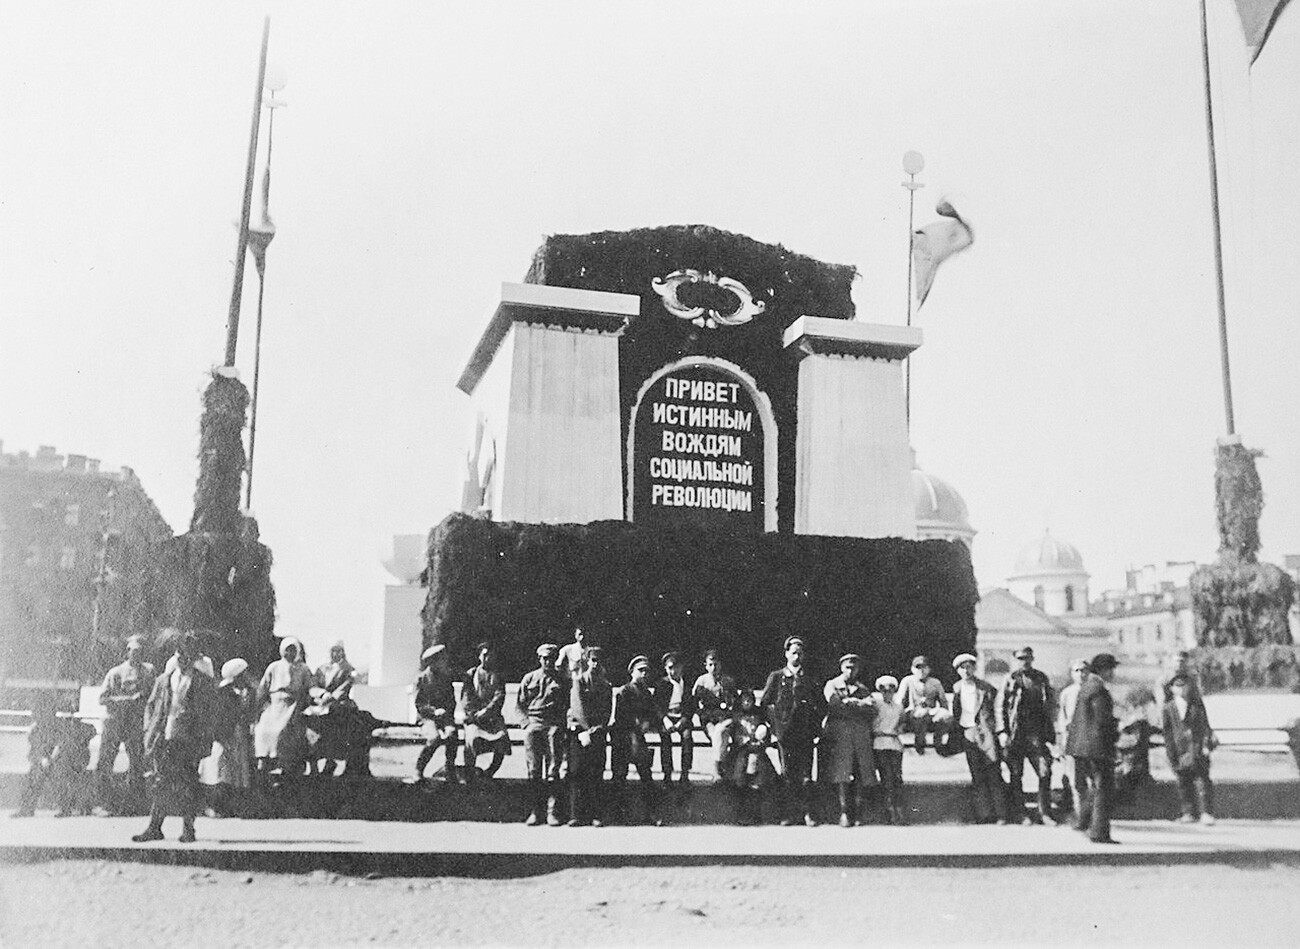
<point x="1026" y="726"/>
<point x="127" y="688"/>
<point x="795" y="707"/>
<point x="1091" y="742"/>
<point x="179" y="724"/>
<point x="543" y="701"/>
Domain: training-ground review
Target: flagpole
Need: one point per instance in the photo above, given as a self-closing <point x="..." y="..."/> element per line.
<point x="1218" y="233"/>
<point x="913" y="164"/>
<point x="241" y="246"/>
<point x="260" y="239"/>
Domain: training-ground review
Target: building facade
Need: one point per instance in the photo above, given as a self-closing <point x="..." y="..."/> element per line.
<point x="77" y="548"/>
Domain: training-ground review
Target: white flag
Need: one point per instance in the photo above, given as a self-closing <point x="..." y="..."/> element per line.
<point x="935" y="243"/>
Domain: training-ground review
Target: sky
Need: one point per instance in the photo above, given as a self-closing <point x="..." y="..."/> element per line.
<point x="1069" y="378"/>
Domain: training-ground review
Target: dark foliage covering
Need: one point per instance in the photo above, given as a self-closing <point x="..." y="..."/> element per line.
<point x="1239" y="501"/>
<point x="216" y="580"/>
<point x="790" y="285"/>
<point x="1242" y="604"/>
<point x="221" y="456"/>
<point x="1239" y="601"/>
<point x="647" y="590"/>
<point x="1241" y="667"/>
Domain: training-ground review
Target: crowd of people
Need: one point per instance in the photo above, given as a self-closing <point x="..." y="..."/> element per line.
<point x="766" y="743"/>
<point x="206" y="740"/>
<point x="202" y="740"/>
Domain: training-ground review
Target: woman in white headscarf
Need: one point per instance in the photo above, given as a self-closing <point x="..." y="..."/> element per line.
<point x="228" y="770"/>
<point x="280" y="739"/>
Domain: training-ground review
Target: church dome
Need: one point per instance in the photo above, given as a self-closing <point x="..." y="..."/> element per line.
<point x="1049" y="554"/>
<point x="940" y="511"/>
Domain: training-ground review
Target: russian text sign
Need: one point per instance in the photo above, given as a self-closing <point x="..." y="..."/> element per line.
<point x="698" y="451"/>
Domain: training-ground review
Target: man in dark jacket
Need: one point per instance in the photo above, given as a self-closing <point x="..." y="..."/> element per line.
<point x="435" y="703"/>
<point x="795" y="706"/>
<point x="591" y="703"/>
<point x="1026" y="712"/>
<point x="633" y="717"/>
<point x="1090" y="740"/>
<point x="1188" y="743"/>
<point x="973" y="708"/>
<point x="179" y="724"/>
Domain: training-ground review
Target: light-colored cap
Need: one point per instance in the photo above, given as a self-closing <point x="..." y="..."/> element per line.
<point x="964" y="658"/>
<point x="433" y="651"/>
<point x="232" y="668"/>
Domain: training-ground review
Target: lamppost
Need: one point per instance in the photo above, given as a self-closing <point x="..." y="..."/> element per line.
<point x="913" y="165"/>
<point x="259" y="239"/>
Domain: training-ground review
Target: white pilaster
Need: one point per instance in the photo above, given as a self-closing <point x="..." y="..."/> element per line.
<point x="853" y="464"/>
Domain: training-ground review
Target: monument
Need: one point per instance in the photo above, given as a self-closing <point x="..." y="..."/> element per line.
<point x="704" y="391"/>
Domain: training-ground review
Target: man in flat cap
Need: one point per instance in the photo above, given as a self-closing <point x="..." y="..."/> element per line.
<point x="795" y="706"/>
<point x="973" y="708"/>
<point x="1090" y="741"/>
<point x="847" y="759"/>
<point x="591" y="703"/>
<point x="435" y="702"/>
<point x="127" y="688"/>
<point x="675" y="704"/>
<point x="543" y="701"/>
<point x="924" y="702"/>
<point x="1026" y="726"/>
<point x="633" y="717"/>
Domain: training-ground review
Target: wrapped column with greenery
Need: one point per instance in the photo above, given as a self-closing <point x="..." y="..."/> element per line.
<point x="1239" y="601"/>
<point x="215" y="579"/>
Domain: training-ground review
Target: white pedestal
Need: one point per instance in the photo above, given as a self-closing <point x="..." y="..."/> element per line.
<point x="545" y="376"/>
<point x="853" y="463"/>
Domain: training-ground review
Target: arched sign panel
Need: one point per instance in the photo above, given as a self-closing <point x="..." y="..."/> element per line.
<point x="698" y="452"/>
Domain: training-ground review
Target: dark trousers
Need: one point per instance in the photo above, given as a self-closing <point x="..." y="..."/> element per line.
<point x="1035" y="751"/>
<point x="630" y="748"/>
<point x="1195" y="792"/>
<point x="797" y="767"/>
<point x="686" y="739"/>
<point x="452" y="743"/>
<point x="33" y="786"/>
<point x="1095" y="779"/>
<point x="986" y="780"/>
<point x="176" y="783"/>
<point x="889" y="768"/>
<point x="118" y="732"/>
<point x="586" y="770"/>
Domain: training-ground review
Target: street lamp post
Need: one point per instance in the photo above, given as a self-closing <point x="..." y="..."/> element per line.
<point x="913" y="165"/>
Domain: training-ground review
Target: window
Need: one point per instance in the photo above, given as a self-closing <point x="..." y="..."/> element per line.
<point x="1039" y="598"/>
<point x="68" y="558"/>
<point x="72" y="515"/>
<point x="1069" y="599"/>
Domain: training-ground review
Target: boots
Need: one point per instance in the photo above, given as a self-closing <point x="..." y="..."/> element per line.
<point x="1205" y="800"/>
<point x="539" y="804"/>
<point x="154" y="830"/>
<point x="846" y="819"/>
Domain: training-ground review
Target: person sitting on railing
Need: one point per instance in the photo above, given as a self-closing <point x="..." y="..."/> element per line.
<point x="675" y="703"/>
<point x="435" y="703"/>
<point x="633" y="718"/>
<point x="716" y="700"/>
<point x="483" y="697"/>
<point x="591" y="702"/>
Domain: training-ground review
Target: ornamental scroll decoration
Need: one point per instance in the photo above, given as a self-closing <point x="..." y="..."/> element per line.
<point x="746" y="306"/>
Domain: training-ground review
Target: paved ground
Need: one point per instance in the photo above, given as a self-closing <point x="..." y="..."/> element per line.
<point x="109" y="905"/>
<point x="497" y="849"/>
